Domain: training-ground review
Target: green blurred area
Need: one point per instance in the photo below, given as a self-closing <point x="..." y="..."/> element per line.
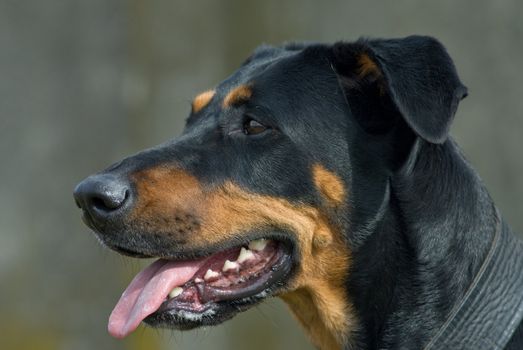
<point x="84" y="83"/>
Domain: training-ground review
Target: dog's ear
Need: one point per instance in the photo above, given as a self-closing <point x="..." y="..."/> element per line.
<point x="413" y="78"/>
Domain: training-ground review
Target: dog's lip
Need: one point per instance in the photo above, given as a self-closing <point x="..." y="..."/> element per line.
<point x="88" y="220"/>
<point x="184" y="252"/>
<point x="131" y="253"/>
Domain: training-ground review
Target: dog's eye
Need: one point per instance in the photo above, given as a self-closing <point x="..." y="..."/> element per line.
<point x="252" y="127"/>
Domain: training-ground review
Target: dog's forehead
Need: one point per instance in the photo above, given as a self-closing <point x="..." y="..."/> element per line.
<point x="270" y="73"/>
<point x="261" y="59"/>
<point x="238" y="86"/>
<point x="253" y="68"/>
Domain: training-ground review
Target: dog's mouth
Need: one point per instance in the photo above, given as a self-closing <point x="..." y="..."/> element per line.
<point x="190" y="293"/>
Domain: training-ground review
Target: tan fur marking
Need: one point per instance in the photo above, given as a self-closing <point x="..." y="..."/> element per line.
<point x="367" y="66"/>
<point x="316" y="295"/>
<point x="237" y="95"/>
<point x="329" y="184"/>
<point x="202" y="100"/>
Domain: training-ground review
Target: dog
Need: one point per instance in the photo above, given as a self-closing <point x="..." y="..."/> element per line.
<point x="323" y="174"/>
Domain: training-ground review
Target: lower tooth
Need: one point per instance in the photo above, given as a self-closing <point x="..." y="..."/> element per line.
<point x="198" y="280"/>
<point x="175" y="292"/>
<point x="210" y="274"/>
<point x="245" y="254"/>
<point x="230" y="265"/>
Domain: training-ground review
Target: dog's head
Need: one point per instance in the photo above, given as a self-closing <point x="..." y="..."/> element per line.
<point x="278" y="169"/>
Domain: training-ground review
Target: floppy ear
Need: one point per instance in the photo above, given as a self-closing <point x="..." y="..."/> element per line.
<point x="414" y="77"/>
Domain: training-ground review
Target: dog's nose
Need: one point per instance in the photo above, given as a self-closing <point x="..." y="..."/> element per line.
<point x="103" y="196"/>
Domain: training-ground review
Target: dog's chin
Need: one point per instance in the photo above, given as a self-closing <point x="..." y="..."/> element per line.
<point x="214" y="313"/>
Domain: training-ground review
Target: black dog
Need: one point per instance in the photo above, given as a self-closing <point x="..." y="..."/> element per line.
<point x="323" y="174"/>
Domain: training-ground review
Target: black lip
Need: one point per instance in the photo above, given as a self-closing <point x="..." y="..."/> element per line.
<point x="88" y="220"/>
<point x="138" y="244"/>
<point x="130" y="253"/>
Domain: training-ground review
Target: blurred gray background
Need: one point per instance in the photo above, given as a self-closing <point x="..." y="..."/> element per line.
<point x="84" y="83"/>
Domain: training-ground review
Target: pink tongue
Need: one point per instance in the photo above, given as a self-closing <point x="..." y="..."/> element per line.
<point x="147" y="292"/>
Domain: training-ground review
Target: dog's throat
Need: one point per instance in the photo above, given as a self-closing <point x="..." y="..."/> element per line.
<point x="318" y="294"/>
<point x="324" y="314"/>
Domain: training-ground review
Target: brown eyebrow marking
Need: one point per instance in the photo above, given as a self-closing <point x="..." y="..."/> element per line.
<point x="237" y="96"/>
<point x="202" y="100"/>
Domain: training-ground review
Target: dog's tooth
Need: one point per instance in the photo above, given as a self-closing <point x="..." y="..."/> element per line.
<point x="198" y="280"/>
<point x="210" y="274"/>
<point x="258" y="245"/>
<point x="245" y="254"/>
<point x="230" y="265"/>
<point x="175" y="292"/>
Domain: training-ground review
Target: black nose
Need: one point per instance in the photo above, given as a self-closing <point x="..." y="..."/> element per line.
<point x="103" y="196"/>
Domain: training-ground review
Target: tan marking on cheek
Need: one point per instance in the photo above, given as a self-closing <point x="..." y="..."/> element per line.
<point x="202" y="100"/>
<point x="317" y="293"/>
<point x="328" y="184"/>
<point x="322" y="238"/>
<point x="238" y="95"/>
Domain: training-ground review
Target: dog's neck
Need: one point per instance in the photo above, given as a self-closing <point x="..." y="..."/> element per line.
<point x="428" y="240"/>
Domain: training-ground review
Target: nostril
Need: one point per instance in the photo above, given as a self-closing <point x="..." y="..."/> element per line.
<point x="109" y="201"/>
<point x="102" y="204"/>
